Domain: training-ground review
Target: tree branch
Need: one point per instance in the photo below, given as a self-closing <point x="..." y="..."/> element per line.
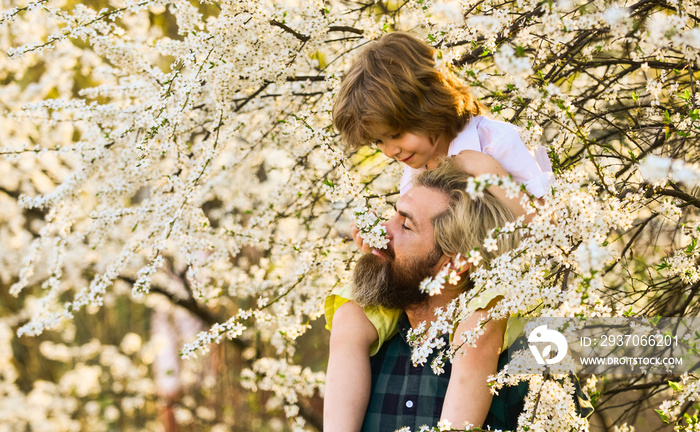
<point x="291" y="31"/>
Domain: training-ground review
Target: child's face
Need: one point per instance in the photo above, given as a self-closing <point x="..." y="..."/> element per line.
<point x="412" y="149"/>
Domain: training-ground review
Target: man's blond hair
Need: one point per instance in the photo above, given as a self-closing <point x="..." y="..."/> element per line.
<point x="468" y="221"/>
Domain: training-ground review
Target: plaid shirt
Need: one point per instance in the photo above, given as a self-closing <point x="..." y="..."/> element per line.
<point x="405" y="395"/>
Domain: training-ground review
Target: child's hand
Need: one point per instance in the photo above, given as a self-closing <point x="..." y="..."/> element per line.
<point x="476" y="163"/>
<point x="359" y="241"/>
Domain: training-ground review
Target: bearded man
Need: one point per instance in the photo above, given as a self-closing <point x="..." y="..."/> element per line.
<point x="435" y="221"/>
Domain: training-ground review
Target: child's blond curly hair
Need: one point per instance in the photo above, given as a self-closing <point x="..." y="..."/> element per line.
<point x="394" y="83"/>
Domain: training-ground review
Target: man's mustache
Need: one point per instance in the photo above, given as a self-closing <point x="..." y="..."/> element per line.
<point x="389" y="252"/>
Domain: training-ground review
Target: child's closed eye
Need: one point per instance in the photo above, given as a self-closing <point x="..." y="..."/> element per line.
<point x="394" y="136"/>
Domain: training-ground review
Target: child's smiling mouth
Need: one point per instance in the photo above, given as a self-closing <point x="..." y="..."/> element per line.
<point x="407" y="159"/>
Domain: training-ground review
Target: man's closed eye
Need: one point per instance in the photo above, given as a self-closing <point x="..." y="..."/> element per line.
<point x="406" y="217"/>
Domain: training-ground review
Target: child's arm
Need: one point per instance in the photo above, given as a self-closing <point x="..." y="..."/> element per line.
<point x="468" y="398"/>
<point x="476" y="163"/>
<point x="348" y="378"/>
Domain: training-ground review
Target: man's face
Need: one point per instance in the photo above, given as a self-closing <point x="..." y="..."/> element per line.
<point x="391" y="277"/>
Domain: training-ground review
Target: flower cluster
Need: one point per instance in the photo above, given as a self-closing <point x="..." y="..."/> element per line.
<point x="659" y="170"/>
<point x="686" y="390"/>
<point x="288" y="382"/>
<point x="449" y="274"/>
<point x="370" y="226"/>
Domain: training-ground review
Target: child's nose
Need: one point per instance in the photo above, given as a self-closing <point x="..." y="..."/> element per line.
<point x="391" y="150"/>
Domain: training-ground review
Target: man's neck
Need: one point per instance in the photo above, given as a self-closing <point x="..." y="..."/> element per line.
<point x="426" y="311"/>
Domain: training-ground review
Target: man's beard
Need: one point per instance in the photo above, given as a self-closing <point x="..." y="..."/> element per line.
<point x="391" y="284"/>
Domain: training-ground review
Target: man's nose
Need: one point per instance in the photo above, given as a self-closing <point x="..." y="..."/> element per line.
<point x="390" y="226"/>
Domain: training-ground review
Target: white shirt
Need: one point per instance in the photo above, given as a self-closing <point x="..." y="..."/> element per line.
<point x="501" y="141"/>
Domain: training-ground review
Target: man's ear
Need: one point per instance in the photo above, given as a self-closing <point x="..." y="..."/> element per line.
<point x="459" y="264"/>
<point x="445" y="259"/>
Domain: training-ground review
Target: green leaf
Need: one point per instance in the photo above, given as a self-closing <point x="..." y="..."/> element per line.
<point x="663" y="416"/>
<point x="675" y="385"/>
<point x="662" y="266"/>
